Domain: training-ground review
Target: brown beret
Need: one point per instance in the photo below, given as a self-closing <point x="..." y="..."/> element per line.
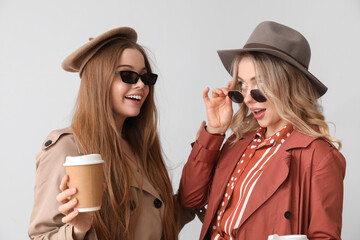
<point x="76" y="61"/>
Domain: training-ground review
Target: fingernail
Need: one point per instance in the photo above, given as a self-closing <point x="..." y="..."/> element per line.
<point x="74" y="200"/>
<point x="73" y="190"/>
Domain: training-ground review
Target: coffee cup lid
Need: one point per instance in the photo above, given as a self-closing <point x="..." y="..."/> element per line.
<point x="83" y="160"/>
<point x="290" y="237"/>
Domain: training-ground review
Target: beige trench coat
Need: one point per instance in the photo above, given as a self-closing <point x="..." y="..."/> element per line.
<point x="45" y="222"/>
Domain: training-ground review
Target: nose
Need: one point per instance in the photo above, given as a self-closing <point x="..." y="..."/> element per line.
<point x="139" y="84"/>
<point x="248" y="98"/>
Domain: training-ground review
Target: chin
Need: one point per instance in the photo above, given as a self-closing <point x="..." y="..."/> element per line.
<point x="134" y="114"/>
<point x="262" y="124"/>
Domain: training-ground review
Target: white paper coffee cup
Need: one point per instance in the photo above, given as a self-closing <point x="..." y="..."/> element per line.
<point x="287" y="237"/>
<point x="86" y="175"/>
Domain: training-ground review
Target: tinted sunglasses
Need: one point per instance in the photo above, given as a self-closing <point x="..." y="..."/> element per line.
<point x="131" y="77"/>
<point x="237" y="97"/>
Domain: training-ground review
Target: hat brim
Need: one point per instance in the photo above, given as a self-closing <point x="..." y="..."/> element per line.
<point x="76" y="61"/>
<point x="227" y="57"/>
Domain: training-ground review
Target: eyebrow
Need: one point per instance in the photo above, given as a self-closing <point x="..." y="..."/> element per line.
<point x="251" y="79"/>
<point x="129" y="66"/>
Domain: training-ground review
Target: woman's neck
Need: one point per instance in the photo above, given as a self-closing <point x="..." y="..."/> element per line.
<point x="271" y="130"/>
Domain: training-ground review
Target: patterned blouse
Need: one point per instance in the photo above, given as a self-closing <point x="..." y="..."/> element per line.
<point x="243" y="179"/>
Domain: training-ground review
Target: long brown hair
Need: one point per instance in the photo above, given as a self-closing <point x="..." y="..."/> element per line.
<point x="294" y="97"/>
<point x="95" y="129"/>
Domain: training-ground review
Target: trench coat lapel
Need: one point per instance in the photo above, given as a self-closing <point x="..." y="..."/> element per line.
<point x="275" y="173"/>
<point x="140" y="181"/>
<point x="230" y="156"/>
<point x="271" y="179"/>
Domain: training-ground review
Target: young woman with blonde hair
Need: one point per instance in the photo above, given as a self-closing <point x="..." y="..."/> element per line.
<point x="115" y="116"/>
<point x="294" y="98"/>
<point x="279" y="173"/>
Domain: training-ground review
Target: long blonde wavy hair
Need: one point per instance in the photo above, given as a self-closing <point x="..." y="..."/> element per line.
<point x="95" y="129"/>
<point x="294" y="97"/>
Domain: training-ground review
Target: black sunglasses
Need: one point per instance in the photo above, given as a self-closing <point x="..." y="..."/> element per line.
<point x="131" y="77"/>
<point x="237" y="97"/>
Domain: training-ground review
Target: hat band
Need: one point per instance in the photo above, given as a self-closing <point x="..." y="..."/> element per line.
<point x="260" y="45"/>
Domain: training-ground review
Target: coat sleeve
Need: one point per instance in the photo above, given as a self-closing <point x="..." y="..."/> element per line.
<point x="326" y="196"/>
<point x="198" y="171"/>
<point x="45" y="222"/>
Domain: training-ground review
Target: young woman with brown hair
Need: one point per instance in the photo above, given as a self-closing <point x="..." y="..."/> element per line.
<point x="116" y="117"/>
<point x="279" y="172"/>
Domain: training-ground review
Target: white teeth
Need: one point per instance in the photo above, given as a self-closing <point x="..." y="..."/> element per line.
<point x="137" y="97"/>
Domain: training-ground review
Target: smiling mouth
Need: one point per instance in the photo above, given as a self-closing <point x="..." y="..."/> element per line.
<point x="134" y="97"/>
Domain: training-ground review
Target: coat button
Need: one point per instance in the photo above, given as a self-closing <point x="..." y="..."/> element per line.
<point x="287" y="214"/>
<point x="48" y="143"/>
<point x="157" y="203"/>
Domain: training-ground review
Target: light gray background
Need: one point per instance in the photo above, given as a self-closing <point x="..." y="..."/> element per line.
<point x="36" y="95"/>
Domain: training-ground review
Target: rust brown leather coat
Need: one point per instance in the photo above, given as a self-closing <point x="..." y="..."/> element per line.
<point x="299" y="192"/>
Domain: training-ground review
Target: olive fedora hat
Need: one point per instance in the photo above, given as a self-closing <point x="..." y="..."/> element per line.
<point x="279" y="41"/>
<point x="77" y="60"/>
